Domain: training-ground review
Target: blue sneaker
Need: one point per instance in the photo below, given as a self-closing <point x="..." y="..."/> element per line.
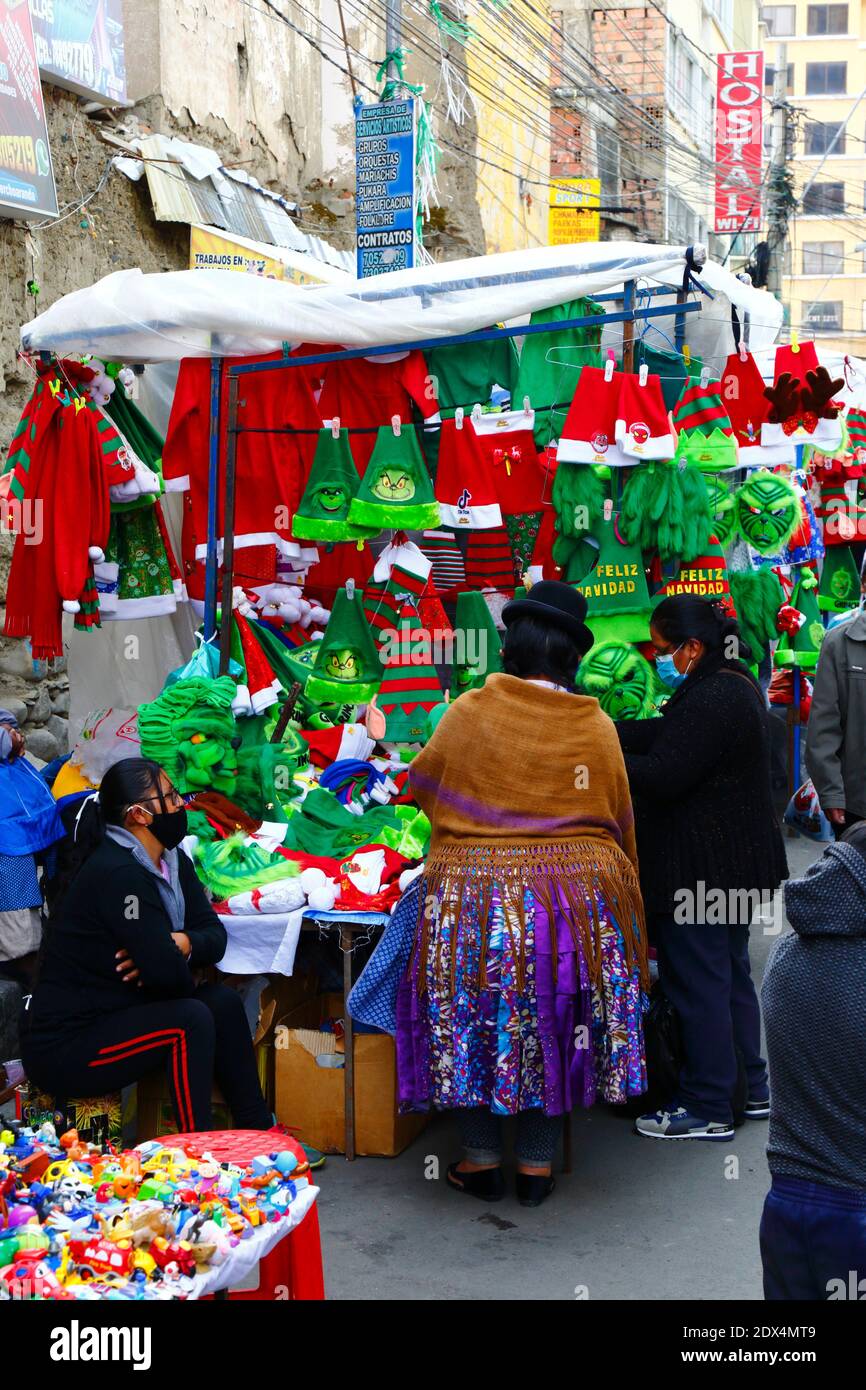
<point x="679" y="1124"/>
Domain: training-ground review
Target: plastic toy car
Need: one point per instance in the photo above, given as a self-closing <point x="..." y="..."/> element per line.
<point x="96" y="1257"/>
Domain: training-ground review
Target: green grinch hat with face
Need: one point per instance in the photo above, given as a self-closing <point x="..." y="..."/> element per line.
<point x="622" y="681"/>
<point x="768" y="511"/>
<point x="839" y="589"/>
<point x="396" y="491"/>
<point x="323" y="512"/>
<point x="803" y="649"/>
<point x="615" y="589"/>
<point x="715" y="452"/>
<point x="477" y="643"/>
<point x="347" y="668"/>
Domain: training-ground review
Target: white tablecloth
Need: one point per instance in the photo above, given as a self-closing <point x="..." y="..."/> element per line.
<point x="246" y="1256"/>
<point x="261" y="943"/>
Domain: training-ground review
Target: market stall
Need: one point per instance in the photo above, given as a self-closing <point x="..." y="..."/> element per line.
<point x="356" y="513"/>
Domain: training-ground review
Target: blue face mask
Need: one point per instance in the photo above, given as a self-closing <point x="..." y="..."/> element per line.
<point x="667" y="671"/>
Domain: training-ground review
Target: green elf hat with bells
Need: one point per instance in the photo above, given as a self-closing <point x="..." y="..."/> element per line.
<point x="396" y="491"/>
<point x="839" y="589"/>
<point x="323" y="512"/>
<point x="347" y="668"/>
<point x="803" y="649"/>
<point x="615" y="589"/>
<point x="477" y="643"/>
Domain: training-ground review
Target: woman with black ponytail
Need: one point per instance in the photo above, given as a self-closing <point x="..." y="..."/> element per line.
<point x="117" y="996"/>
<point x="711" y="854"/>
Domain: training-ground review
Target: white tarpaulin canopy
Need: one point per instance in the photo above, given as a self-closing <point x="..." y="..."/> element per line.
<point x="132" y="317"/>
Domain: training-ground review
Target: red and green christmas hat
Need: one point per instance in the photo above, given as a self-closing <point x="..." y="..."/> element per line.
<point x="396" y="491"/>
<point x="410" y="687"/>
<point x="700" y="408"/>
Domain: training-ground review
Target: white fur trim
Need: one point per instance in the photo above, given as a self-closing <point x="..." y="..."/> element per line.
<point x="766" y="455"/>
<point x="471" y="518"/>
<point x="658" y="446"/>
<point x="263" y="699"/>
<point x="242" y="702"/>
<point x="180" y="484"/>
<point x="582" y="451"/>
<point x="95" y="552"/>
<point x="155" y="606"/>
<point x="71" y="605"/>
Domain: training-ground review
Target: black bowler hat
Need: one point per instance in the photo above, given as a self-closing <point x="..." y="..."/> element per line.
<point x="556" y="603"/>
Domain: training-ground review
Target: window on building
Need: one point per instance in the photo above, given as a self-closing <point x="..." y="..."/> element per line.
<point x="826" y="19"/>
<point x="826" y="79"/>
<point x="824" y="199"/>
<point x="781" y="20"/>
<point x="682" y="221"/>
<point x="823" y="257"/>
<point x="770" y="78"/>
<point x="824" y="316"/>
<point x="820" y="136"/>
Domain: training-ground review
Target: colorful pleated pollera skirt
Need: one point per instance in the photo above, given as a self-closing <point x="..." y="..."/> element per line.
<point x="499" y="1008"/>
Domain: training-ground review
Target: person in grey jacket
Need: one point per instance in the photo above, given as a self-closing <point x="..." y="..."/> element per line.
<point x="813" y="1230"/>
<point x="836" y="735"/>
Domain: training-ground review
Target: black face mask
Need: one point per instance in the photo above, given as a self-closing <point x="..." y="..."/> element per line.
<point x="169" y="827"/>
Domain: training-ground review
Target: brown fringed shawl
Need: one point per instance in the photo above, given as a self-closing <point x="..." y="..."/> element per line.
<point x="526" y="787"/>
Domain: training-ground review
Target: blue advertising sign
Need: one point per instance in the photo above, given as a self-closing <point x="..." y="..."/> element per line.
<point x="385" y="186"/>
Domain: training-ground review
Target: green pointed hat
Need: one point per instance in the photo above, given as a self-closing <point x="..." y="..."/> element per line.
<point x="396" y="491"/>
<point x="477" y="643"/>
<point x="410" y="686"/>
<point x="323" y="512"/>
<point x="615" y="589"/>
<point x="804" y="647"/>
<point x="714" y="452"/>
<point x="839" y="589"/>
<point x="347" y="666"/>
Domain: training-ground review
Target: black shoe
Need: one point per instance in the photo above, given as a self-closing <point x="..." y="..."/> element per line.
<point x="488" y="1185"/>
<point x="532" y="1190"/>
<point x="758" y="1109"/>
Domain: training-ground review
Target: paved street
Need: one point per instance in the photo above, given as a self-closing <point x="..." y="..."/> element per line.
<point x="634" y="1219"/>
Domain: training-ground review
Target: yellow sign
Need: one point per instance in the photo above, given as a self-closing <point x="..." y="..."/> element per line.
<point x="207" y="251"/>
<point x="574" y="211"/>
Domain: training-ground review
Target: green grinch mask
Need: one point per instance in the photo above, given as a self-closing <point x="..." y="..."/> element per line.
<point x="332" y="499"/>
<point x="190" y="731"/>
<point x="621" y="680"/>
<point x="768" y="511"/>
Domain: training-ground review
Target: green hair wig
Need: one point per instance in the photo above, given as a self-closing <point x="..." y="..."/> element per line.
<point x="666" y="508"/>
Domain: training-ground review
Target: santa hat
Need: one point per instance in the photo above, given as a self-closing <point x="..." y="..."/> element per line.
<point x="742" y="389"/>
<point x="395" y="491"/>
<point x="341" y="741"/>
<point x="642" y="427"/>
<point x="617" y="598"/>
<point x="705" y="576"/>
<point x="402" y="570"/>
<point x="477" y="644"/>
<point x="795" y="360"/>
<point x="839" y="589"/>
<point x="323" y="511"/>
<point x="346" y="669"/>
<point x="589" y="432"/>
<point x="508" y="441"/>
<point x="805" y="405"/>
<point x="804" y="646"/>
<point x="263" y="686"/>
<point x="465" y="489"/>
<point x="700" y="408"/>
<point x="410" y="686"/>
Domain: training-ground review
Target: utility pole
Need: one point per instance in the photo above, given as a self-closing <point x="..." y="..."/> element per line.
<point x="777" y="212"/>
<point x="393" y="33"/>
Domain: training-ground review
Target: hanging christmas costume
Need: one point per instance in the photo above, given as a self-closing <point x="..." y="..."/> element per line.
<point x="410" y="686"/>
<point x="347" y="668"/>
<point x="448" y="567"/>
<point x="589" y="432"/>
<point x="839" y="589"/>
<point x="465" y="488"/>
<point x="477" y="644"/>
<point x="139" y="577"/>
<point x="58" y="506"/>
<point x="855" y="422"/>
<point x="550" y="363"/>
<point x="364" y="391"/>
<point x="395" y="491"/>
<point x="742" y="390"/>
<point x="757" y="596"/>
<point x="642" y="428"/>
<point x="490" y="561"/>
<point x="803" y="647"/>
<point x="618" y="602"/>
<point x="507" y="442"/>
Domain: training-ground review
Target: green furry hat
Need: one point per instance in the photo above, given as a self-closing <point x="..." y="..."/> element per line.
<point x="578" y="498"/>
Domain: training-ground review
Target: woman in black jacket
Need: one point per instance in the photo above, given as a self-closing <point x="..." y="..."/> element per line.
<point x="710" y="853"/>
<point x="117" y="995"/>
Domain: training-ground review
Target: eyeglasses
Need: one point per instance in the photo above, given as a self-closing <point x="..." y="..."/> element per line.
<point x="171" y="798"/>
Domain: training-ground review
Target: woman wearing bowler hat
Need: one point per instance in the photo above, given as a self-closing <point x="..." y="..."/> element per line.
<point x="525" y="990"/>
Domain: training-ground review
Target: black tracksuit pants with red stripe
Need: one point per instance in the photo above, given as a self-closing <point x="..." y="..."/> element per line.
<point x="199" y="1040"/>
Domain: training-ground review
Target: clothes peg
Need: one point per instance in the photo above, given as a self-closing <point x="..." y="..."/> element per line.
<point x="608" y="508"/>
<point x="743" y="351"/>
<point x="527" y="409"/>
<point x="335" y="427"/>
<point x="795" y="342"/>
<point x="476" y="413"/>
<point x="687" y="355"/>
<point x="643" y="374"/>
<point x="705" y="377"/>
<point x="350" y="588"/>
<point x="395" y="425"/>
<point x="609" y="367"/>
<point x="458" y="417"/>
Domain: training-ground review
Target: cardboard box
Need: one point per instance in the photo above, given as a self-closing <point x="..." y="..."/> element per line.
<point x="310" y="1098"/>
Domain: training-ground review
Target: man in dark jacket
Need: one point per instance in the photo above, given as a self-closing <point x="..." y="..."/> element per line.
<point x="836" y="738"/>
<point x="813" y="1231"/>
